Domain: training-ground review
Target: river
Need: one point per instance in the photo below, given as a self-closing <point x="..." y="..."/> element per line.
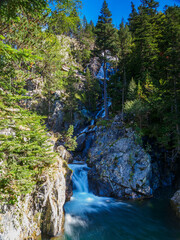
<point x="89" y="217"/>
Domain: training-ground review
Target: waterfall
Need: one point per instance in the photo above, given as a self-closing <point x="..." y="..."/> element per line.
<point x="83" y="202"/>
<point x="80" y="179"/>
<point x="89" y="217"/>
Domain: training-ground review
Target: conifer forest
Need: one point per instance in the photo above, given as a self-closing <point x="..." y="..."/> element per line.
<point x="89" y="121"/>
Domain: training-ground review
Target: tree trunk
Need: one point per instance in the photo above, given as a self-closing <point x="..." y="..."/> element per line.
<point x="105" y="92"/>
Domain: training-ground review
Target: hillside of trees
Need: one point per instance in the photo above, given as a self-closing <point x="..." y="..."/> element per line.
<point x="145" y="89"/>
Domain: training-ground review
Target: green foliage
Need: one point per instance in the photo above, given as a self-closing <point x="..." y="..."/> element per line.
<point x="92" y="91"/>
<point x="24" y="149"/>
<point x="86" y="38"/>
<point x="104" y="123"/>
<point x="71" y="103"/>
<point x="65" y="19"/>
<point x="124" y="42"/>
<point x="105" y="44"/>
<point x="115" y="91"/>
<point x="132" y="90"/>
<point x="105" y="33"/>
<point x="70" y="141"/>
<point x="10" y="9"/>
<point x="148" y="63"/>
<point x="27" y="52"/>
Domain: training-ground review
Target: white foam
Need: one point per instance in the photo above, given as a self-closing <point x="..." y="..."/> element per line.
<point x="71" y="221"/>
<point x="83" y="201"/>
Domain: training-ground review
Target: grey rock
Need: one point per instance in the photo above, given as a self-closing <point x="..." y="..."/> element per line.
<point x="88" y="143"/>
<point x="80" y="142"/>
<point x="63" y="153"/>
<point x="57" y="94"/>
<point x="120" y="167"/>
<point x="57" y="118"/>
<point x="42" y="210"/>
<point x="7" y="132"/>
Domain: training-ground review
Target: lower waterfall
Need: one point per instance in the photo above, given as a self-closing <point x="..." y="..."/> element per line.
<point x="89" y="217"/>
<point x="83" y="202"/>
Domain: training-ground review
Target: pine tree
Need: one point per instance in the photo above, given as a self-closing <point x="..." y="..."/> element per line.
<point x="85" y="23"/>
<point x="105" y="43"/>
<point x="124" y="42"/>
<point x="71" y="91"/>
<point x="92" y="91"/>
<point x="132" y="90"/>
<point x="65" y="18"/>
<point x="92" y="26"/>
<point x="145" y="34"/>
<point x="132" y="19"/>
<point x="171" y="63"/>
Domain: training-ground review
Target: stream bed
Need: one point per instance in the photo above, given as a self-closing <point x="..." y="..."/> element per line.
<point x="89" y="217"/>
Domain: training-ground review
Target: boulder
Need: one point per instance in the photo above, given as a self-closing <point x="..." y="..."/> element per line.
<point x="88" y="143"/>
<point x="81" y="142"/>
<point x="63" y="153"/>
<point x="120" y="166"/>
<point x="57" y="118"/>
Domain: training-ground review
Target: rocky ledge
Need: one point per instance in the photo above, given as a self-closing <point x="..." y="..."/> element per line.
<point x="120" y="167"/>
<point x="40" y="212"/>
<point x="175" y="202"/>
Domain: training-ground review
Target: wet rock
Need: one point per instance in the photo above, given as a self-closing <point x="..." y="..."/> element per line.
<point x="175" y="202"/>
<point x="79" y="122"/>
<point x="69" y="185"/>
<point x="80" y="142"/>
<point x="88" y="143"/>
<point x="103" y="188"/>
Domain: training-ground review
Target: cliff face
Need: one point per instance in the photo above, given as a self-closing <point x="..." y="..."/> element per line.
<point x="120" y="166"/>
<point x="39" y="212"/>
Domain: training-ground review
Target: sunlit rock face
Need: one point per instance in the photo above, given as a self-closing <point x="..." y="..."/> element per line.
<point x="120" y="166"/>
<point x="42" y="210"/>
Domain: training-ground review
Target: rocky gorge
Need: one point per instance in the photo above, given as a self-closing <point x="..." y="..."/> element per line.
<point x="119" y="167"/>
<point x="89" y="121"/>
<point x="42" y="211"/>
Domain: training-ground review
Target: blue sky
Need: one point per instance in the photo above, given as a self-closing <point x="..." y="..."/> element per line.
<point x="119" y="8"/>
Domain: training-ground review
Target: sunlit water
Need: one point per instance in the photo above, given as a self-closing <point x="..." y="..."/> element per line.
<point x="89" y="217"/>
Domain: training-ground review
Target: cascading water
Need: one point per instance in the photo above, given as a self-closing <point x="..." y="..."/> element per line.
<point x="82" y="200"/>
<point x="80" y="179"/>
<point x="89" y="217"/>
